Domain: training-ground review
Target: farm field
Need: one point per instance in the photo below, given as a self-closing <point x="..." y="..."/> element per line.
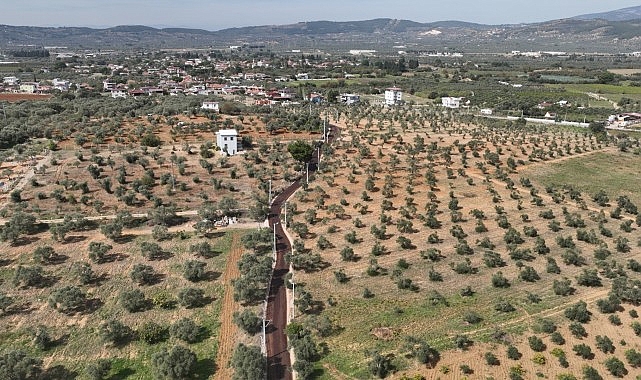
<point x="76" y="336"/>
<point x="610" y="170"/>
<point x="445" y="250"/>
<point x="611" y="92"/>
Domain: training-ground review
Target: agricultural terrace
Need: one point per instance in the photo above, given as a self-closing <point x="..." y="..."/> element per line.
<point x="433" y="246"/>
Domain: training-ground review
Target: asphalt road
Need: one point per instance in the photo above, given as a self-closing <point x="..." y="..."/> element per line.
<point x="278" y="360"/>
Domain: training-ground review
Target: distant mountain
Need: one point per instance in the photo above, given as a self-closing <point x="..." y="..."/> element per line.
<point x="585" y="33"/>
<point x="625" y="14"/>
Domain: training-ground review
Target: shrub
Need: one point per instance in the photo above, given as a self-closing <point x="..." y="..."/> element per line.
<point x="589" y="277"/>
<point x="557" y="338"/>
<point x="491" y="359"/>
<point x="143" y="274"/>
<point x="248" y="321"/>
<point x="583" y="350"/>
<point x="98" y="369"/>
<point x="615" y="366"/>
<point x="562" y="287"/>
<point x="472" y="317"/>
<point x="177" y="363"/>
<point x="539" y="359"/>
<point x="577" y="330"/>
<point x="589" y="373"/>
<point x="16" y="364"/>
<point x="67" y="299"/>
<point x="536" y="343"/>
<point x="187" y="330"/>
<point x="633" y="357"/>
<point x="578" y="312"/>
<point x="462" y="342"/>
<point x="604" y="344"/>
<point x="151" y="332"/>
<point x="504" y="306"/>
<point x="191" y="297"/>
<point x="133" y="300"/>
<point x="194" y="270"/>
<point x="114" y="331"/>
<point x="499" y="281"/>
<point x="529" y="274"/>
<point x="513" y="353"/>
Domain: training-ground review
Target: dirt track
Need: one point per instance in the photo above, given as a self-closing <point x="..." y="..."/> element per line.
<point x="228" y="329"/>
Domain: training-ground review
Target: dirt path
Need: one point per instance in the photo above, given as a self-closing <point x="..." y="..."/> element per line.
<point x="228" y="330"/>
<point x="30" y="173"/>
<point x="588" y="298"/>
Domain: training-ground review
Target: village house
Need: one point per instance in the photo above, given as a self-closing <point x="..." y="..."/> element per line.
<point x="210" y="106"/>
<point x="29" y="87"/>
<point x="227" y="141"/>
<point x="350" y="99"/>
<point x="451" y="102"/>
<point x="393" y="96"/>
<point x="11" y="81"/>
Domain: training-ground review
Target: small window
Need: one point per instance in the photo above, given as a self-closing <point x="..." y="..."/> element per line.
<point x="231" y="138"/>
<point x="225" y="138"/>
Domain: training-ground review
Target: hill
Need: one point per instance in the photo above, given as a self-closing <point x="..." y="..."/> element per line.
<point x="615" y="31"/>
<point x="625" y="14"/>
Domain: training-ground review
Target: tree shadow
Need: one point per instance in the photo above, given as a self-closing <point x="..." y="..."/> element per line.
<point x="211" y="275"/>
<point x="204" y="368"/>
<point x="125" y="238"/>
<point x="58" y="259"/>
<point x="24" y="240"/>
<point x="122" y="374"/>
<point x="58" y="372"/>
<point x="99" y="280"/>
<point x="74" y="239"/>
<point x="5" y="262"/>
<point x="109" y="258"/>
<point x="22" y="309"/>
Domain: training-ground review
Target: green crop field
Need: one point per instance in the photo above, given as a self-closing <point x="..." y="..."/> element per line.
<point x="614" y="172"/>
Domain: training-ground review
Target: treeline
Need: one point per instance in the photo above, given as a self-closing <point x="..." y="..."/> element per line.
<point x="34" y="53"/>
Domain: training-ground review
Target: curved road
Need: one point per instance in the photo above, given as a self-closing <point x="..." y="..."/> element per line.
<point x="278" y="360"/>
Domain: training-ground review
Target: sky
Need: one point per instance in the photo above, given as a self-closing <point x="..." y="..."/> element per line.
<point x="218" y="14"/>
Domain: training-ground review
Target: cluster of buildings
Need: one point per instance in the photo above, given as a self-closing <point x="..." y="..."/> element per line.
<point x="624" y="120"/>
<point x="15" y="84"/>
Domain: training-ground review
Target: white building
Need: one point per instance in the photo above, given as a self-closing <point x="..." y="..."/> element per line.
<point x="350" y="99"/>
<point x="393" y="96"/>
<point x="61" y="84"/>
<point x="29" y="88"/>
<point x="108" y="86"/>
<point x="119" y="93"/>
<point x="451" y="102"/>
<point x="227" y="141"/>
<point x="11" y="81"/>
<point x="210" y="106"/>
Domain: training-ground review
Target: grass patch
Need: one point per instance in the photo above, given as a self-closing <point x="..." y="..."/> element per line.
<point x="617" y="174"/>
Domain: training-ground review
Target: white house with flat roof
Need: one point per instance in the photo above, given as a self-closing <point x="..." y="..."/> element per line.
<point x="393" y="96"/>
<point x="227" y="141"/>
<point x="210" y="106"/>
<point x="350" y="98"/>
<point x="451" y="102"/>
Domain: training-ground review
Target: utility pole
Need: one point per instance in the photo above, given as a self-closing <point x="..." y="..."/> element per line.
<point x="274" y="249"/>
<point x="285" y="214"/>
<point x="270" y="191"/>
<point x="293" y="294"/>
<point x="263" y="343"/>
<point x="307" y="170"/>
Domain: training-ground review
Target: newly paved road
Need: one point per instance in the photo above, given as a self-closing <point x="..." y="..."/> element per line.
<point x="278" y="360"/>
